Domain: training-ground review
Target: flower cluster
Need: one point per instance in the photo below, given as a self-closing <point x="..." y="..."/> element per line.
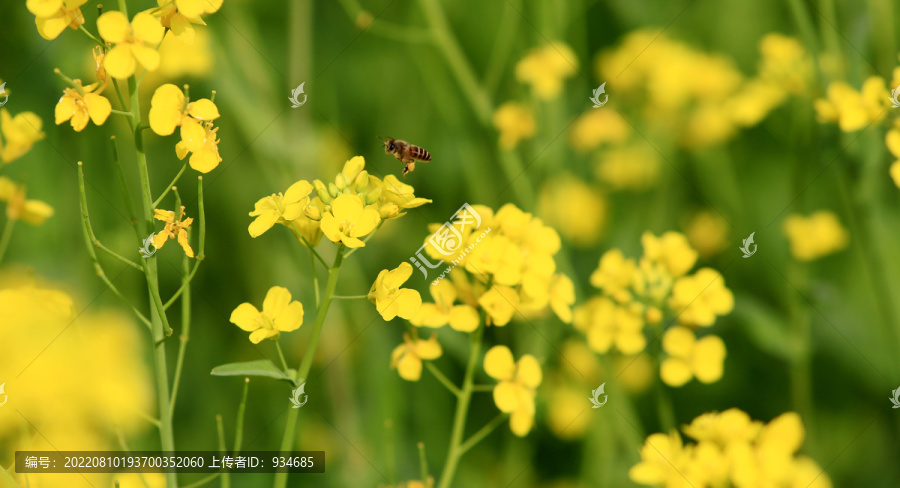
<point x="815" y="236"/>
<point x="170" y="108"/>
<point x="731" y="450"/>
<point x="701" y="97"/>
<point x="636" y="293"/>
<point x="350" y="208"/>
<point x="515" y="390"/>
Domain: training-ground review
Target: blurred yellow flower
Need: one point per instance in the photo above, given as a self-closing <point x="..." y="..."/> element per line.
<point x="707" y="232"/>
<point x="785" y="63"/>
<point x="699" y="298"/>
<point x="635" y="373"/>
<point x="515" y="392"/>
<point x="545" y="69"/>
<point x="614" y="275"/>
<point x="663" y="459"/>
<point x="407" y="357"/>
<point x="280" y="208"/>
<point x="168" y="110"/>
<point x="19" y="134"/>
<point x="500" y="304"/>
<point x="689" y="357"/>
<point x="515" y="122"/>
<point x="558" y="198"/>
<point x="135" y="42"/>
<point x="562" y="297"/>
<point x="390" y="299"/>
<point x="279" y="314"/>
<point x="596" y="127"/>
<point x="349" y="220"/>
<point x="606" y="323"/>
<point x="815" y="236"/>
<point x="174" y="229"/>
<point x="852" y="109"/>
<point x="463" y="317"/>
<point x="179" y="58"/>
<point x="80" y="104"/>
<point x="564" y="413"/>
<point x="34" y="212"/>
<point x="180" y="14"/>
<point x="53" y="16"/>
<point x="630" y="167"/>
<point x="672" y="250"/>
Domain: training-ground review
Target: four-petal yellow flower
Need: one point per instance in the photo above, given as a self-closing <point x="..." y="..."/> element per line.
<point x="392" y="301"/>
<point x="80" y="104"/>
<point x="442" y="312"/>
<point x="53" y="16"/>
<point x="407" y="357"/>
<point x="135" y="42"/>
<point x="349" y="220"/>
<point x="174" y="229"/>
<point x="280" y="208"/>
<point x="516" y="391"/>
<point x="279" y="314"/>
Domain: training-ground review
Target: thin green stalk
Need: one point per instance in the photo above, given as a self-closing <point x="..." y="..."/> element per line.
<point x="284" y="365"/>
<point x="89" y="245"/>
<point x="201" y="251"/>
<point x="159" y="323"/>
<point x="462" y="411"/>
<point x="6" y="237"/>
<point x="423" y="462"/>
<point x="315" y="277"/>
<point x="287" y="441"/>
<point x="171" y="185"/>
<point x="185" y="335"/>
<point x="443" y="379"/>
<point x="239" y="423"/>
<point x="506" y="34"/>
<point x="124" y="445"/>
<point x="123" y="187"/>
<point x="482" y="433"/>
<point x="383" y="28"/>
<point x="350" y="297"/>
<point x="220" y="430"/>
<point x="302" y="239"/>
<point x="91" y="36"/>
<point x="800" y="334"/>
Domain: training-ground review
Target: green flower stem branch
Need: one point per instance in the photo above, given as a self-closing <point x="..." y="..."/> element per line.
<point x="462" y="410"/>
<point x="443" y="379"/>
<point x="290" y="430"/>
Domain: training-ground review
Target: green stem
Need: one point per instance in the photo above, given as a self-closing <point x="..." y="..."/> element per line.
<point x="306" y="243"/>
<point x="423" y="463"/>
<point x="287" y="441"/>
<point x="462" y="411"/>
<point x="158" y="321"/>
<point x="93" y="37"/>
<point x="350" y="297"/>
<point x="123" y="188"/>
<point x="6" y="237"/>
<point x="220" y="431"/>
<point x="284" y="365"/>
<point x="443" y="379"/>
<point x="315" y="277"/>
<point x="483" y="432"/>
<point x="171" y="185"/>
<point x="239" y="423"/>
<point x="800" y="374"/>
<point x="185" y="335"/>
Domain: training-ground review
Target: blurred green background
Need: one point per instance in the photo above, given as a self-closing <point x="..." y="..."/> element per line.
<point x="398" y="82"/>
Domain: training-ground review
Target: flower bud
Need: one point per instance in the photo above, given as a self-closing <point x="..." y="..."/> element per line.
<point x="313" y="212"/>
<point x="322" y="191"/>
<point x="340" y="182"/>
<point x="388" y="210"/>
<point x="333" y="190"/>
<point x="362" y="182"/>
<point x="373" y="195"/>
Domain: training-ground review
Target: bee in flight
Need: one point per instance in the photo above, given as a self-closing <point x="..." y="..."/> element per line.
<point x="407" y="153"/>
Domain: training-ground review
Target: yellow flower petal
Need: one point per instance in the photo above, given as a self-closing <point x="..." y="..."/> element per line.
<point x="464" y="318"/>
<point x="203" y="109"/>
<point x="119" y="61"/>
<point x="147" y="56"/>
<point x="506" y="396"/>
<point x="148" y="29"/>
<point x="429" y="349"/>
<point x="290" y="318"/>
<point x="499" y="363"/>
<point x="65" y="109"/>
<point x="113" y="26"/>
<point x="529" y="371"/>
<point x="43" y="8"/>
<point x="678" y="341"/>
<point x="261" y="334"/>
<point x="183" y="241"/>
<point x="98" y="107"/>
<point x="675" y="372"/>
<point x="276" y="299"/>
<point x="246" y="317"/>
<point x="521" y="421"/>
<point x="410" y="367"/>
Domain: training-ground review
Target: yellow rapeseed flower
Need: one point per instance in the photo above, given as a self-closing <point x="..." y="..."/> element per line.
<point x="135" y="42"/>
<point x="407" y="357"/>
<point x="81" y="104"/>
<point x="19" y="134"/>
<point x="515" y="122"/>
<point x="707" y="232"/>
<point x="174" y="229"/>
<point x="515" y="392"/>
<point x="279" y="314"/>
<point x="169" y="109"/>
<point x="545" y="68"/>
<point x="280" y="208"/>
<point x="697" y="299"/>
<point x="349" y="220"/>
<point x="500" y="304"/>
<point x="851" y="109"/>
<point x="596" y="127"/>
<point x="390" y="299"/>
<point x="629" y="167"/>
<point x="180" y="14"/>
<point x="34" y="212"/>
<point x="53" y="16"/>
<point x="615" y="275"/>
<point x="815" y="236"/>
<point x="179" y="59"/>
<point x="785" y="62"/>
<point x="461" y="317"/>
<point x="689" y="357"/>
<point x="558" y="197"/>
<point x="606" y="323"/>
<point x="672" y="250"/>
<point x="663" y="460"/>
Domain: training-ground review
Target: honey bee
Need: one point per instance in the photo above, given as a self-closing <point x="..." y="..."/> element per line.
<point x="406" y="153"/>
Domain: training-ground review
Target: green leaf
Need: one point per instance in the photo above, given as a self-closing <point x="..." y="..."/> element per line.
<point x="261" y="367"/>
